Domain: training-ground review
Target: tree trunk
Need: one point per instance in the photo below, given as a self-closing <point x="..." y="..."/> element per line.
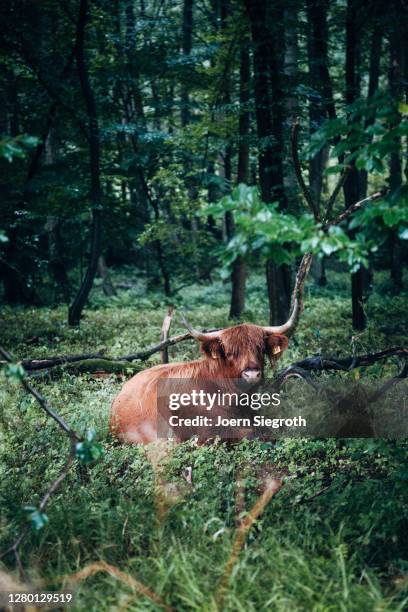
<point x="352" y="184"/>
<point x="238" y="276"/>
<point x="317" y="43"/>
<point x="373" y="79"/>
<point x="80" y="299"/>
<point x="291" y="102"/>
<point x="107" y="285"/>
<point x="266" y="19"/>
<point x="56" y="260"/>
<point x="187" y="34"/>
<point x="321" y="104"/>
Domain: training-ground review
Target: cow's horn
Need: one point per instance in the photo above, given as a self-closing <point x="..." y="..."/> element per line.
<point x="297" y="299"/>
<point x="290" y="324"/>
<point x="201" y="336"/>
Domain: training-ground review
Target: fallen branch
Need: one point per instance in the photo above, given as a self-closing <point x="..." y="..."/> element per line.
<point x="44" y="364"/>
<point x="41" y="364"/>
<point x="90" y="366"/>
<point x="345" y="364"/>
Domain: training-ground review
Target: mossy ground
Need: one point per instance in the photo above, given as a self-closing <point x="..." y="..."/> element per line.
<point x="344" y="549"/>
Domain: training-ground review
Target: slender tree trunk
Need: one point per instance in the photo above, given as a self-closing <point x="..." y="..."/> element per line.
<point x="80" y="299"/>
<point x="187" y="37"/>
<point x="238" y="276"/>
<point x="373" y="80"/>
<point x="352" y="185"/>
<point x="107" y="285"/>
<point x="187" y="44"/>
<point x="56" y="260"/>
<point x="291" y="102"/>
<point x="321" y="104"/>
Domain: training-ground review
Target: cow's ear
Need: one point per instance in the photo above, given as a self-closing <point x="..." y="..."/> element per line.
<point x="212" y="348"/>
<point x="275" y="344"/>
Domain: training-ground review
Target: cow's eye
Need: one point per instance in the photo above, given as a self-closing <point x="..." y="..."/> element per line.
<point x="229" y="355"/>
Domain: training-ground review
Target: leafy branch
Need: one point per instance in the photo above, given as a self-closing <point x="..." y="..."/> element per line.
<point x="86" y="450"/>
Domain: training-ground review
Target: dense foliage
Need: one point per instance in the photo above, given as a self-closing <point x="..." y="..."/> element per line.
<point x="123" y="120"/>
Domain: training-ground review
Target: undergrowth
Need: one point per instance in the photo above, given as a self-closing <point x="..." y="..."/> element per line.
<point x="333" y="538"/>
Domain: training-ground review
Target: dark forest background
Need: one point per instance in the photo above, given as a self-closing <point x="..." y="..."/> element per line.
<point x="122" y="121"/>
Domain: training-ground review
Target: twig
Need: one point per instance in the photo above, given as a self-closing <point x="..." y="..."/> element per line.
<point x="298" y="171"/>
<point x="295" y="372"/>
<point x="387" y="385"/>
<point x="42" y="401"/>
<point x="305" y="500"/>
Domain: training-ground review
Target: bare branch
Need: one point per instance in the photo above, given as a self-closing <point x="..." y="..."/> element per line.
<point x="42" y="364"/>
<point x="298" y="171"/>
<point x="345" y="364"/>
<point x="42" y="401"/>
<point x="353" y="208"/>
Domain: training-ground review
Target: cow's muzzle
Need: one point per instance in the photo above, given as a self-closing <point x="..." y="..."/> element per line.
<point x="251" y="375"/>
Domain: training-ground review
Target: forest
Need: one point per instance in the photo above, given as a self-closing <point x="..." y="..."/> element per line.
<point x="203" y="162"/>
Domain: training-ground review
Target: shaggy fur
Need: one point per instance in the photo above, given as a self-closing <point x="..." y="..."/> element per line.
<point x="134" y="412"/>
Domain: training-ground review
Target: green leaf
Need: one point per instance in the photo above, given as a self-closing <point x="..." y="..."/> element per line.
<point x="88" y="450"/>
<point x="14" y="372"/>
<point x="403" y="108"/>
<point x="37" y="519"/>
<point x="328" y="248"/>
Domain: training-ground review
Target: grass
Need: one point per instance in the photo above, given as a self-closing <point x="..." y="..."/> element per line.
<point x="334" y="538"/>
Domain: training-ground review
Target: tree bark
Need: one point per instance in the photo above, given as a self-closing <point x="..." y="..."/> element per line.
<point x="56" y="260"/>
<point x="352" y="184"/>
<point x="80" y="299"/>
<point x="321" y="103"/>
<point x="291" y="102"/>
<point x="266" y="18"/>
<point x="107" y="285"/>
<point x="238" y="277"/>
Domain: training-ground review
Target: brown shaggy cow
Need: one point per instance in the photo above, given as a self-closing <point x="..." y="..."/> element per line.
<point x="233" y="353"/>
